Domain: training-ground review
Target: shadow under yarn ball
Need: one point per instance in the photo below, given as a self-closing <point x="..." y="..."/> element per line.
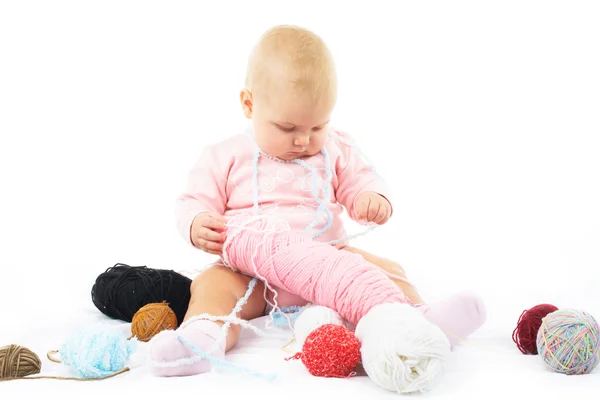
<point x="122" y="290"/>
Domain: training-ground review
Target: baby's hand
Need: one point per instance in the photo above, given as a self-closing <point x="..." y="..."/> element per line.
<point x="207" y="232"/>
<point x="372" y="207"/>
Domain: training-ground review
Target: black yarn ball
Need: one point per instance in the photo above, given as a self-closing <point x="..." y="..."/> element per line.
<point x="122" y="290"/>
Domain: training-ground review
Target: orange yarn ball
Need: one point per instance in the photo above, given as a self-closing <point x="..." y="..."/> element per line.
<point x="152" y="319"/>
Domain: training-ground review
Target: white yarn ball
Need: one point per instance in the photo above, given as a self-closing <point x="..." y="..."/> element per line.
<point x="401" y="350"/>
<point x="313" y="317"/>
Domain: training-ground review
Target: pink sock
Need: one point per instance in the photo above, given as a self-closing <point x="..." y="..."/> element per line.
<point x="170" y="356"/>
<point x="458" y="316"/>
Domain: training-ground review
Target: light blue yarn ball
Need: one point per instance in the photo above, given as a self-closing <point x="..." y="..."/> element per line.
<point x="97" y="351"/>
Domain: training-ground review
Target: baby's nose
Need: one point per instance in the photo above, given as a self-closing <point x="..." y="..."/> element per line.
<point x="302" y="140"/>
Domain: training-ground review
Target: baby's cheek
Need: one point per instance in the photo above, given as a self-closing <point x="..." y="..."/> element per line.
<point x="317" y="143"/>
<point x="270" y="144"/>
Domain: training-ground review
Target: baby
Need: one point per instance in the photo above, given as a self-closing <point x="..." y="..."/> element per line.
<point x="291" y="164"/>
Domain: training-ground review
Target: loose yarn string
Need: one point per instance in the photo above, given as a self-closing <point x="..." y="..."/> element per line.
<point x="242" y="224"/>
<point x="223" y="363"/>
<point x="234" y="320"/>
<point x="255" y="188"/>
<point x="228" y="319"/>
<point x="238" y="307"/>
<point x="360" y="152"/>
<point x="274" y="306"/>
<point x="314" y="188"/>
<point x="64" y="378"/>
<point x="315" y="192"/>
<point x="281" y="318"/>
<point x="347" y="237"/>
<point x="232" y="317"/>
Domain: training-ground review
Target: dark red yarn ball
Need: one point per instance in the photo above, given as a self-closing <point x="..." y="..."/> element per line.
<point x="525" y="334"/>
<point x="330" y="351"/>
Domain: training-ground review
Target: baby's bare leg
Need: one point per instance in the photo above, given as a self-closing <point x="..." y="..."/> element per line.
<point x="214" y="292"/>
<point x="217" y="290"/>
<point x="393" y="268"/>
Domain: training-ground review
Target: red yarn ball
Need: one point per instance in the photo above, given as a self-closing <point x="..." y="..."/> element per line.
<point x="525" y="334"/>
<point x="330" y="351"/>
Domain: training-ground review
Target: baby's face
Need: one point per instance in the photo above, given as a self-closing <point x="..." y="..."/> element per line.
<point x="290" y="127"/>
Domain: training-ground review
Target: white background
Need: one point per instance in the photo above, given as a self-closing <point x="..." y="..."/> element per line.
<point x="483" y="117"/>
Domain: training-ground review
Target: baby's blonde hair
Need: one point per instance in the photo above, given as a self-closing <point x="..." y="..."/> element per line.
<point x="293" y="55"/>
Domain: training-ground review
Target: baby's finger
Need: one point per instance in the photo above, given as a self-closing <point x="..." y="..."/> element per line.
<point x="218" y="217"/>
<point x="215" y="252"/>
<point x="373" y="211"/>
<point x="209" y="246"/>
<point x="213" y="223"/>
<point x="381" y="217"/>
<point x="211" y="235"/>
<point x="366" y="206"/>
<point x="388" y="212"/>
<point x="360" y="211"/>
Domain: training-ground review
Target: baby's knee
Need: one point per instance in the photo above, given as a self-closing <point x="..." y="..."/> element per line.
<point x="398" y="268"/>
<point x="392" y="267"/>
<point x="217" y="276"/>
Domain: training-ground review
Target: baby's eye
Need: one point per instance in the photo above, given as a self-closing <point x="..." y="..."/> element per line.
<point x="317" y="129"/>
<point x="286" y="129"/>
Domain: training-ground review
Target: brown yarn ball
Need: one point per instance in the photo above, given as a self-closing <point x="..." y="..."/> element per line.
<point x="17" y="361"/>
<point x="152" y="319"/>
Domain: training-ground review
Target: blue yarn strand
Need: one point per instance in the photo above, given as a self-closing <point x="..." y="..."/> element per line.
<point x="255" y="209"/>
<point x="226" y="364"/>
<point x="363" y="155"/>
<point x="315" y="192"/>
<point x="238" y="307"/>
<point x="280" y="318"/>
<point x="327" y="189"/>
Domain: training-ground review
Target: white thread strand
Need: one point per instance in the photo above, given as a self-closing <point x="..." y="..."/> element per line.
<point x="238" y="307"/>
<point x="234" y="320"/>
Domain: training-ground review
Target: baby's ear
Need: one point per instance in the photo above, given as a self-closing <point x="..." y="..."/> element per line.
<point x="246" y="100"/>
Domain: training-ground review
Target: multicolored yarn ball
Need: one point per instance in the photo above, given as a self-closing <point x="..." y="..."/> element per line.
<point x="568" y="341"/>
<point x="97" y="351"/>
<point x="122" y="290"/>
<point x="525" y="334"/>
<point x="152" y="319"/>
<point x="17" y="361"/>
<point x="330" y="351"/>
